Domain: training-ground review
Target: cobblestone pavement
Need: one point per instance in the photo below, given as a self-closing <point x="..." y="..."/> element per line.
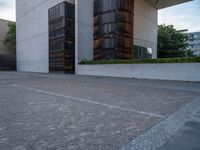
<point x="67" y="112"/>
<point x="168" y="134"/>
<point x="187" y="137"/>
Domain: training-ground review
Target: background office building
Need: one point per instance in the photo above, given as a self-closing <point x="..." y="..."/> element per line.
<point x="55" y="35"/>
<point x="194" y="42"/>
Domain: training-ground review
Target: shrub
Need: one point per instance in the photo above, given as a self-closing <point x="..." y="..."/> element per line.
<point x="145" y="61"/>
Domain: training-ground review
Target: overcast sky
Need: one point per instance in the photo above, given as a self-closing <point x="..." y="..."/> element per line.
<point x="7" y="10"/>
<point x="183" y="16"/>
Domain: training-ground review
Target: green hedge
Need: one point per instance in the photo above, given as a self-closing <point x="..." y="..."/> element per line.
<point x="145" y="61"/>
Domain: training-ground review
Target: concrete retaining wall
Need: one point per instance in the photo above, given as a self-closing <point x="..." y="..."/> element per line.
<point x="178" y="71"/>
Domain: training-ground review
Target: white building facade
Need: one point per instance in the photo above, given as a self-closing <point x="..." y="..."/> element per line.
<point x="33" y="30"/>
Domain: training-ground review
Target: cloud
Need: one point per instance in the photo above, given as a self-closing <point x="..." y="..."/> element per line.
<point x="4" y="4"/>
<point x="184" y="16"/>
<point x="7" y="10"/>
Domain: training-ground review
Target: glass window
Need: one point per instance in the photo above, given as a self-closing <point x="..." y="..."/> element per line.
<point x="140" y="52"/>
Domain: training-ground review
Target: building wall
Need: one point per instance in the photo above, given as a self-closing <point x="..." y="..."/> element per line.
<point x="145" y="25"/>
<point x="32" y="34"/>
<point x="168" y="71"/>
<point x="3" y="32"/>
<point x="194" y="42"/>
<point x="83" y="31"/>
<point x="32" y="31"/>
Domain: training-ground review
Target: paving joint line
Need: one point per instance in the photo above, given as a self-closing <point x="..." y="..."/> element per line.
<point x="149" y="114"/>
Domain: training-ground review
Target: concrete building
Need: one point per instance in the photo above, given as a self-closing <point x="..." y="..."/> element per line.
<point x="3" y="32"/>
<point x="194" y="42"/>
<point x="33" y="31"/>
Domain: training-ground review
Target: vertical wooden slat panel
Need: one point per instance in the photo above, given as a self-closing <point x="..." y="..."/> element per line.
<point x="113" y="29"/>
<point x="62" y="37"/>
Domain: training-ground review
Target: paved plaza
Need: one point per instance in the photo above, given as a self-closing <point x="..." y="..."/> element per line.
<point x="68" y="112"/>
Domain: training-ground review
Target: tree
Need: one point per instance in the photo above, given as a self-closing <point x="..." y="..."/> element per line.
<point x="10" y="39"/>
<point x="172" y="43"/>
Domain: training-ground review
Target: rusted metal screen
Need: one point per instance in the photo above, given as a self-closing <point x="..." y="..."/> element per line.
<point x="62" y="37"/>
<point x="113" y="29"/>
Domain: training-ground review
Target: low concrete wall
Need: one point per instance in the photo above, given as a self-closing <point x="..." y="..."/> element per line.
<point x="175" y="71"/>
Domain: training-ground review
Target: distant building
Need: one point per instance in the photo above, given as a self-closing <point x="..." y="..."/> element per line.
<point x="194" y="42"/>
<point x="3" y="32"/>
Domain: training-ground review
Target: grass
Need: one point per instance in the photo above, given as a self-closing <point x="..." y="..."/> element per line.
<point x="144" y="61"/>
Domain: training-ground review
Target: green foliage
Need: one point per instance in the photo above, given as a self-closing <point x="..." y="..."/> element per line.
<point x="145" y="61"/>
<point x="10" y="39"/>
<point x="190" y="53"/>
<point x="171" y="53"/>
<point x="172" y="43"/>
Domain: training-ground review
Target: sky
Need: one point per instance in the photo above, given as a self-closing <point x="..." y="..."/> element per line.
<point x="183" y="16"/>
<point x="7" y="10"/>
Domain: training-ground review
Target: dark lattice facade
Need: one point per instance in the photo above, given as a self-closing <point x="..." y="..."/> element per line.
<point x="113" y="29"/>
<point x="62" y="37"/>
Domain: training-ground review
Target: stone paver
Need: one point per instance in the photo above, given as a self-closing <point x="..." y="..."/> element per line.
<point x="187" y="138"/>
<point x="161" y="133"/>
<point x="41" y="111"/>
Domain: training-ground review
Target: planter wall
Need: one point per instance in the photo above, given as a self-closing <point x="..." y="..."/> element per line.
<point x="173" y="71"/>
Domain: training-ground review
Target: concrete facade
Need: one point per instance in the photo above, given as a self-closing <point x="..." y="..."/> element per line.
<point x="145" y="26"/>
<point x="32" y="34"/>
<point x="159" y="4"/>
<point x="84" y="31"/>
<point x="177" y="72"/>
<point x="32" y="31"/>
<point x="3" y="32"/>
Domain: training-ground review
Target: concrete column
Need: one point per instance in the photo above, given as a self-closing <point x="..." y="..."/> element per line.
<point x="83" y="31"/>
<point x="145" y="25"/>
